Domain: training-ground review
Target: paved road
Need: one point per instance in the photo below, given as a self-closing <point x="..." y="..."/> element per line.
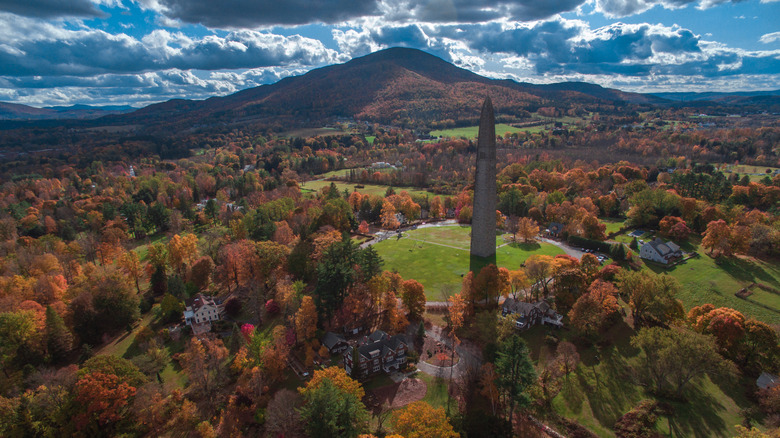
<point x="470" y="356"/>
<point x="568" y="249"/>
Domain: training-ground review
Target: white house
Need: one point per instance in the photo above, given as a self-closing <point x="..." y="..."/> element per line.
<point x="201" y="310"/>
<point x="660" y="251"/>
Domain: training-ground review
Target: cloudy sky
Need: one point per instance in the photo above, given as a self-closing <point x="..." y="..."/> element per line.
<point x="63" y="52"/>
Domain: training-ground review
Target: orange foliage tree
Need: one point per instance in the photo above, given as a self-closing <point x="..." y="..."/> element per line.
<point x="413" y="297"/>
<point x="104" y="397"/>
<point x="421" y="420"/>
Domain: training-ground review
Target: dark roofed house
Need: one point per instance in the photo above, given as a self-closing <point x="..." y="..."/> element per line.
<point x="377" y="352"/>
<point x="555" y="229"/>
<point x="659" y="251"/>
<point x="531" y="314"/>
<point x="334" y="343"/>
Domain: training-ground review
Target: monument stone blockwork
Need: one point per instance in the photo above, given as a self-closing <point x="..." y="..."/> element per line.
<point x="483" y="220"/>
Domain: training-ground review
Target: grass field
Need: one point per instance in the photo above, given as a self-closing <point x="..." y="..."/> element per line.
<point x="601" y="390"/>
<point x="436" y="395"/>
<point x="439" y="257"/>
<point x="370" y="189"/>
<point x="312" y="132"/>
<point x="472" y="131"/>
<point x="613" y="225"/>
<point x="706" y="280"/>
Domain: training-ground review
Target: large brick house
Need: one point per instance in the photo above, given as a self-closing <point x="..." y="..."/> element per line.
<point x="531" y="314"/>
<point x="376" y="353"/>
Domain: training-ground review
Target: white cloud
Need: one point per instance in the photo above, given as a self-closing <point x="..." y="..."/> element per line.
<point x="770" y="37"/>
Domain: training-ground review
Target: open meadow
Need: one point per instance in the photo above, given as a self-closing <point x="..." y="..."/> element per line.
<point x="368" y="189"/>
<point x="438" y="257"/>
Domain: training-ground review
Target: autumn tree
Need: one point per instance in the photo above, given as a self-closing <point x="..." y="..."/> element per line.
<point x="539" y="269"/>
<point x="413" y="297"/>
<point x="723" y="240"/>
<point x="595" y="310"/>
<point x="282" y="417"/>
<point x="493" y="282"/>
<point x="489" y="390"/>
<point x="518" y="282"/>
<point x="338" y="377"/>
<point x="389" y="221"/>
<point x="104" y="303"/>
<point x="200" y="273"/>
<point x="131" y="265"/>
<point x="421" y="420"/>
<point x="329" y="411"/>
<point x="105" y="399"/>
<point x="306" y="320"/>
<point x="527" y="228"/>
<point x="652" y="298"/>
<point x="182" y="250"/>
<point x="18" y="335"/>
<point x="639" y="421"/>
<point x="673" y="358"/>
<point x="204" y="363"/>
<point x="725" y="324"/>
<point x="567" y="357"/>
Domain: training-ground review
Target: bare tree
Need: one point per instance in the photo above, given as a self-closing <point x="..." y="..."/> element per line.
<point x="282" y="417"/>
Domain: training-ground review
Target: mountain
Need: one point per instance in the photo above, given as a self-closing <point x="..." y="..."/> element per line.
<point x="730" y="98"/>
<point x="15" y="111"/>
<point x="397" y="86"/>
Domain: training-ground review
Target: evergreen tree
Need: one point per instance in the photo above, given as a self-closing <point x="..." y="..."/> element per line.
<point x="236" y="339"/>
<point x="516" y="373"/>
<point x="330" y="412"/>
<point x="59" y="341"/>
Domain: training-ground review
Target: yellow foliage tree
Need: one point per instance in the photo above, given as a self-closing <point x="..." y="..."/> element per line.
<point x="338" y="377"/>
<point x="421" y="420"/>
<point x="306" y="320"/>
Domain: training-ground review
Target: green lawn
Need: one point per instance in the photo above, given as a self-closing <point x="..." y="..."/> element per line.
<point x="706" y="280"/>
<point x="436" y="395"/>
<point x="600" y="391"/>
<point x="371" y="189"/>
<point x="613" y="225"/>
<point x="472" y="131"/>
<point x="441" y="268"/>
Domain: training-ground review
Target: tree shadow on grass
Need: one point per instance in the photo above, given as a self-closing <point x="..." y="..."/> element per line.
<point x="525" y="246"/>
<point x="745" y="270"/>
<point x="615" y="391"/>
<point x="699" y="415"/>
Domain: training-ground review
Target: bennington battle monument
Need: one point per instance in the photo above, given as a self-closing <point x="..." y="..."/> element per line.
<point x="483" y="219"/>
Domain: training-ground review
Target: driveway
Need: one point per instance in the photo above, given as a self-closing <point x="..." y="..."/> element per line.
<point x="469" y="356"/>
<point x="568" y="249"/>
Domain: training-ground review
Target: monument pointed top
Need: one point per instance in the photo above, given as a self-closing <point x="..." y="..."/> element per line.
<point x="487" y="104"/>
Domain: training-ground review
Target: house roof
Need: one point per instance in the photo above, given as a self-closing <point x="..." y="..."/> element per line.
<point x="663" y="248"/>
<point x="382" y="346"/>
<point x="555" y="227"/>
<point x="331" y="339"/>
<point x="512" y="305"/>
<point x="201" y="300"/>
<point x="377" y="336"/>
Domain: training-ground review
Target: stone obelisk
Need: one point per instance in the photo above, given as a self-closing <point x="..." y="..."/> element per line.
<point x="483" y="220"/>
